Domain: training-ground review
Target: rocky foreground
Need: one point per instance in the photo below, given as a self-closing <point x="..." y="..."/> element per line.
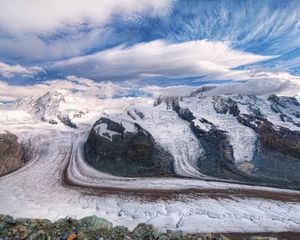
<point x="94" y="227"/>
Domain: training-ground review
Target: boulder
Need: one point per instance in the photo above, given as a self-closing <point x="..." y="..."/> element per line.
<point x="144" y="231"/>
<point x="93" y="223"/>
<point x="11" y="153"/>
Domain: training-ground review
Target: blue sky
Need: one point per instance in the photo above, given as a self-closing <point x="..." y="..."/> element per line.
<point x="149" y="42"/>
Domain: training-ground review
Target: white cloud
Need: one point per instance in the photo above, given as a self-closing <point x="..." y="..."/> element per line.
<point x="71" y="86"/>
<point x="262" y="83"/>
<point x="31" y="46"/>
<point x="9" y="71"/>
<point x="48" y="30"/>
<point x="181" y="90"/>
<point x="21" y="16"/>
<point x="214" y="60"/>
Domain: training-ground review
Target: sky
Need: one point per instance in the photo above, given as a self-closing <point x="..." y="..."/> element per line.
<point x="152" y="46"/>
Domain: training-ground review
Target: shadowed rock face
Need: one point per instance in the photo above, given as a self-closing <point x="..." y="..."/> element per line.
<point x="225" y="125"/>
<point x="218" y="158"/>
<point x="282" y="140"/>
<point x="11" y="153"/>
<point x="276" y="154"/>
<point x="276" y="158"/>
<point x="125" y="153"/>
<point x="226" y="105"/>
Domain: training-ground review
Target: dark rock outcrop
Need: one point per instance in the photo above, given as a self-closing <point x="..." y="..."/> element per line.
<point x="11" y="153"/>
<point x="173" y="103"/>
<point x="201" y="91"/>
<point x="169" y="101"/>
<point x="126" y="153"/>
<point x="273" y="138"/>
<point x="276" y="158"/>
<point x="218" y="160"/>
<point x="277" y="152"/>
<point x="225" y="105"/>
<point x="285" y="105"/>
<point x="65" y="119"/>
<point x="281" y="139"/>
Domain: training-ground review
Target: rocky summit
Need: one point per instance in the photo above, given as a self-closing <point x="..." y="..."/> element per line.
<point x="47" y="108"/>
<point x="126" y="152"/>
<point x="235" y="137"/>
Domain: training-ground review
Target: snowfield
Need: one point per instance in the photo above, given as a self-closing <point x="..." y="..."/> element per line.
<point x="38" y="190"/>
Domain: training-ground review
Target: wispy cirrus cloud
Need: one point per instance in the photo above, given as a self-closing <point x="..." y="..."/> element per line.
<point x="45" y="30"/>
<point x="145" y="42"/>
<point x="46" y="16"/>
<point x="159" y="58"/>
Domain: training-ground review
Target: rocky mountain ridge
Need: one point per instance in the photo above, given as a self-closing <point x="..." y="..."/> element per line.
<point x="251" y="139"/>
<point x="47" y="108"/>
<point x="242" y="138"/>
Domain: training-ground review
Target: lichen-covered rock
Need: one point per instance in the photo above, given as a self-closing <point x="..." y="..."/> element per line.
<point x="91" y="228"/>
<point x="93" y="223"/>
<point x="144" y="231"/>
<point x="173" y="234"/>
<point x="11" y="153"/>
<point x="120" y="232"/>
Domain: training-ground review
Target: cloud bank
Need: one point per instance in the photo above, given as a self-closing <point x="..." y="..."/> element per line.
<point x="72" y="86"/>
<point x="83" y="88"/>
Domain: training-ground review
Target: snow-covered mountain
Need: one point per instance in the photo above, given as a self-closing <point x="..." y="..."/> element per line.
<point x="250" y="139"/>
<point x="188" y="154"/>
<point x="48" y="108"/>
<point x="242" y="138"/>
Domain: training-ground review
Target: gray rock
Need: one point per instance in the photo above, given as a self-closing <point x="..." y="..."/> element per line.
<point x="175" y="234"/>
<point x="126" y="153"/>
<point x="144" y="231"/>
<point x="9" y="220"/>
<point x="93" y="223"/>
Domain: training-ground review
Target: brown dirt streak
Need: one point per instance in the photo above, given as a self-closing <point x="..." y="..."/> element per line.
<point x="169" y="194"/>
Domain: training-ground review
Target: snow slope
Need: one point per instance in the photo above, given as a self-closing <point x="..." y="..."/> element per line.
<point x="37" y="190"/>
